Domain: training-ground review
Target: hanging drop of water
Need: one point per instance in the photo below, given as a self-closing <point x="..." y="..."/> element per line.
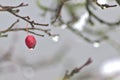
<point x="28" y="72"/>
<point x="55" y="38"/>
<point x="31" y="49"/>
<point x="64" y="26"/>
<point x="96" y="44"/>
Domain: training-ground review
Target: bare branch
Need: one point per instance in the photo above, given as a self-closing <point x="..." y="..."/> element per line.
<point x="32" y="23"/>
<point x="59" y="8"/>
<point x="6" y="8"/>
<point x="36" y="33"/>
<point x="13" y="12"/>
<point x="76" y="70"/>
<point x="24" y="29"/>
<point x="9" y="28"/>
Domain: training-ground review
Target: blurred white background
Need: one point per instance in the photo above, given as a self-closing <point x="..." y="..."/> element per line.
<point x="49" y="60"/>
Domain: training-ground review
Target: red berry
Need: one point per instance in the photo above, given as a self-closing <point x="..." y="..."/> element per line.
<point x="30" y="41"/>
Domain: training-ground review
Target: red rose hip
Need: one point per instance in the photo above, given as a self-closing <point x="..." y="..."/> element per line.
<point x="30" y="41"/>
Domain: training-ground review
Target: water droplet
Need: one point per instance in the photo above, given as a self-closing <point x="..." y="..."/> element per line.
<point x="31" y="49"/>
<point x="28" y="72"/>
<point x="64" y="26"/>
<point x="96" y="44"/>
<point x="55" y="38"/>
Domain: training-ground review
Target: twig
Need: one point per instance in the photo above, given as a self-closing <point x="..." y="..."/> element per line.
<point x="24" y="29"/>
<point x="59" y="8"/>
<point x="76" y="70"/>
<point x="36" y="33"/>
<point x="6" y="8"/>
<point x="14" y="10"/>
<point x="11" y="10"/>
<point x="32" y="23"/>
<point x="9" y="28"/>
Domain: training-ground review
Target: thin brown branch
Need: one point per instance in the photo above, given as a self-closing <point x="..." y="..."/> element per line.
<point x="14" y="11"/>
<point x="11" y="9"/>
<point x="30" y="30"/>
<point x="32" y="23"/>
<point x="9" y="28"/>
<point x="36" y="33"/>
<point x="76" y="70"/>
<point x="6" y="8"/>
<point x="59" y="9"/>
